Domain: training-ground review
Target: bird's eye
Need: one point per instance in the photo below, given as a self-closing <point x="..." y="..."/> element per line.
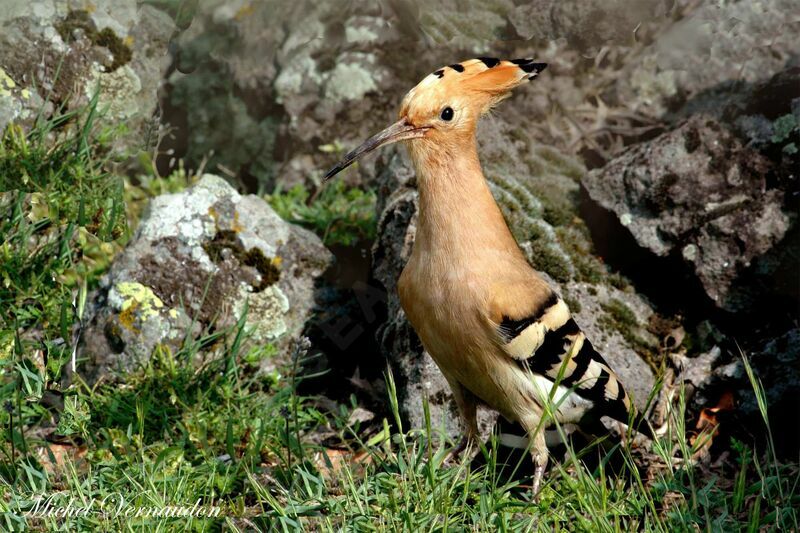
<point x="447" y="114"/>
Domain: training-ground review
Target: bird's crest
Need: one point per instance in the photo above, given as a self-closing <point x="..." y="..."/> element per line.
<point x="486" y="79"/>
<point x="448" y="103"/>
<point x="487" y="74"/>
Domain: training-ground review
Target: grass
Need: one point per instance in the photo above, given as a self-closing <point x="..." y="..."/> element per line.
<point x="61" y="213"/>
<point x="219" y="432"/>
<point x="190" y="427"/>
<point x="339" y="215"/>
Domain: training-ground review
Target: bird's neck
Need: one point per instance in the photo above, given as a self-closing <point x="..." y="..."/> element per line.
<point x="458" y="215"/>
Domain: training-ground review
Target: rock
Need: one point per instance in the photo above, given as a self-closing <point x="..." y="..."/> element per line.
<point x="537" y="188"/>
<point x="697" y="192"/>
<point x="53" y="51"/>
<point x="220" y="93"/>
<point x="697" y="375"/>
<point x="260" y="88"/>
<point x="585" y="25"/>
<point x="200" y="257"/>
<point x="276" y="90"/>
<point x="469" y="26"/>
<point x="776" y="367"/>
<point x="265" y="85"/>
<point x="710" y="53"/>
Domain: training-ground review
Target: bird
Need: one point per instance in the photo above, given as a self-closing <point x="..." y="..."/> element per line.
<point x="499" y="333"/>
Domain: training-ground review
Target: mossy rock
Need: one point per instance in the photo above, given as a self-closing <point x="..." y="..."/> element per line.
<point x="537" y="188"/>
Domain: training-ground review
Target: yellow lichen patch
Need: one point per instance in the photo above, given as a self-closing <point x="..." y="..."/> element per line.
<point x="6" y="83"/>
<point x="244" y="11"/>
<point x="127" y="318"/>
<point x="137" y="295"/>
<point x="6" y="348"/>
<point x="266" y="313"/>
<point x="212" y="212"/>
<point x="173" y="313"/>
<point x="25" y="93"/>
<point x="6" y="80"/>
<point x="237" y="227"/>
<point x="128" y="41"/>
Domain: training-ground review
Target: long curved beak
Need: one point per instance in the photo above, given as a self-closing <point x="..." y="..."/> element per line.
<point x="399" y="131"/>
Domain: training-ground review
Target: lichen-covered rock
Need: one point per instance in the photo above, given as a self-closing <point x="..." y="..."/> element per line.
<point x="201" y="257"/>
<point x="699" y="193"/>
<point x="57" y="51"/>
<point x="471" y="27"/>
<point x="537" y="189"/>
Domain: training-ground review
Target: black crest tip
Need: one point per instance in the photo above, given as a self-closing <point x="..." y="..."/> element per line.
<point x="533" y="68"/>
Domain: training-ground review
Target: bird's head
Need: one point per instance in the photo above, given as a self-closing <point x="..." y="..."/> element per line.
<point x="442" y="111"/>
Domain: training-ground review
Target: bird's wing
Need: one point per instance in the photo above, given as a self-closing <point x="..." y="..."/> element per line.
<point x="536" y="329"/>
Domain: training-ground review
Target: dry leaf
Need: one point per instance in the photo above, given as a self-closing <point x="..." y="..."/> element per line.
<point x="707" y="426"/>
<point x="61" y="453"/>
<point x="331" y="466"/>
<point x="360" y="414"/>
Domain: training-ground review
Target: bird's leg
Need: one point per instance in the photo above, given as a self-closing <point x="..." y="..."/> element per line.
<point x="540" y="456"/>
<point x="532" y="423"/>
<point x="467" y="407"/>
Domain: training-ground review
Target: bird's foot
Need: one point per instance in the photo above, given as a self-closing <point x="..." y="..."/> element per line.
<point x="538" y="473"/>
<point x="539" y="466"/>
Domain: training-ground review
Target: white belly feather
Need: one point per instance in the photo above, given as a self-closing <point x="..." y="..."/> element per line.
<point x="570" y="407"/>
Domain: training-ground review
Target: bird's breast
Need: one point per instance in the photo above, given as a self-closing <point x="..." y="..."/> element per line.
<point x="445" y="307"/>
<point x="444" y="299"/>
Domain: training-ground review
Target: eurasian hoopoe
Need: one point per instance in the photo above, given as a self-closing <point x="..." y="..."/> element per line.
<point x="497" y="331"/>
